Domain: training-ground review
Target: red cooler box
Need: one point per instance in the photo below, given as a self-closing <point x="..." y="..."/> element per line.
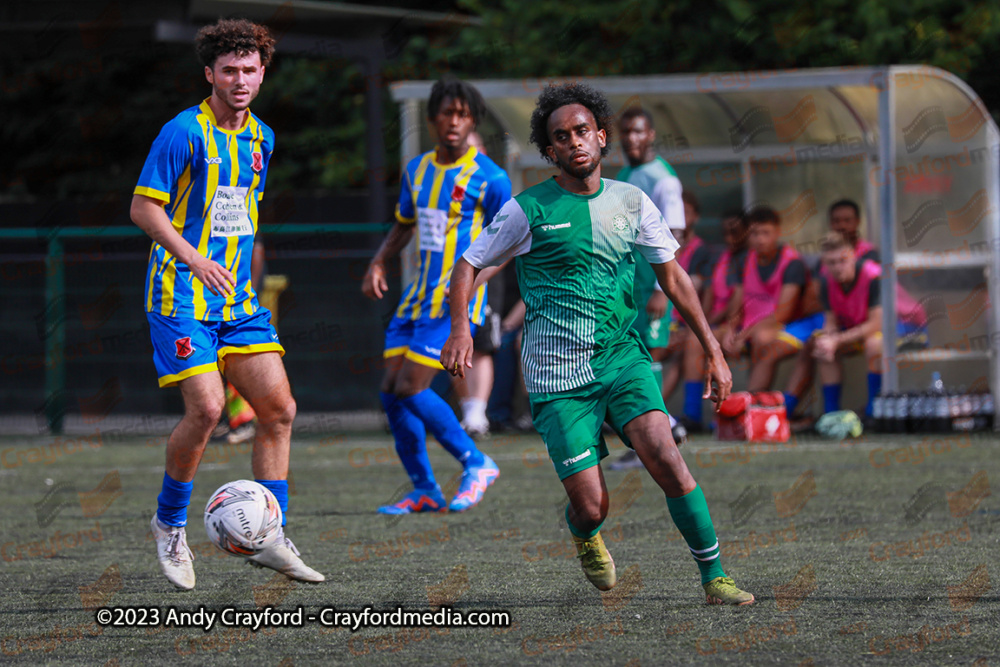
<point x="758" y="417"/>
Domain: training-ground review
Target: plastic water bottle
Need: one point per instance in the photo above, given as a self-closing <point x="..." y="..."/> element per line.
<point x="889" y="413"/>
<point x="937" y="386"/>
<point x="878" y="413"/>
<point x="988" y="411"/>
<point x="902" y="413"/>
<point x="941" y="413"/>
<point x="954" y="409"/>
<point x="918" y="412"/>
<point x="938" y="417"/>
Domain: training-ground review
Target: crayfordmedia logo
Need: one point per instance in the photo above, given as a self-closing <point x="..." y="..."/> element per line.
<point x="964" y="595"/>
<point x="918" y="641"/>
<point x="965" y="501"/>
<point x="745" y="641"/>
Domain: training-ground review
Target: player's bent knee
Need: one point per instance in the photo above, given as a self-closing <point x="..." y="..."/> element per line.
<point x="205" y="414"/>
<point x="873" y="347"/>
<point x="280" y="411"/>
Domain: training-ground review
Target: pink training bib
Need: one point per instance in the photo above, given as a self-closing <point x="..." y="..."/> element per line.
<point x="684" y="256"/>
<point x="721" y="291"/>
<point x="760" y="298"/>
<point x="851" y="309"/>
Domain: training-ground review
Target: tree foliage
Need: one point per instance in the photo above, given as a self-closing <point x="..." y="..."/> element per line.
<point x="78" y="122"/>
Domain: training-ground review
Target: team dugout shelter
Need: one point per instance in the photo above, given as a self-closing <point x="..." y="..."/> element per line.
<point x="914" y="146"/>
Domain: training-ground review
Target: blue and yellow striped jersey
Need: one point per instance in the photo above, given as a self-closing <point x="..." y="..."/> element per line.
<point x="450" y="204"/>
<point x="210" y="181"/>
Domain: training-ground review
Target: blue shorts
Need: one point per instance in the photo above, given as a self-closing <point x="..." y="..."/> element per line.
<point x="798" y="332"/>
<point x="419" y="340"/>
<point x="183" y="347"/>
<point x="911" y="336"/>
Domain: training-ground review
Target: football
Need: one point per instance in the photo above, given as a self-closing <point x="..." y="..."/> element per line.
<point x="243" y="518"/>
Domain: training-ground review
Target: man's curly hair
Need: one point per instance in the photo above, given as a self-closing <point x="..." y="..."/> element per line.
<point x="554" y="97"/>
<point x="233" y="35"/>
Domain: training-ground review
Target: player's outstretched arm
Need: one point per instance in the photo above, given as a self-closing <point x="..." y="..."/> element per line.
<point x="456" y="355"/>
<point x="148" y="214"/>
<point x="374" y="285"/>
<point x="678" y="287"/>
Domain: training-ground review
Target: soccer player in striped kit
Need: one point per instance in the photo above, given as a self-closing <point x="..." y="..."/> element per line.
<point x="573" y="237"/>
<point x="198" y="198"/>
<point x="447" y="196"/>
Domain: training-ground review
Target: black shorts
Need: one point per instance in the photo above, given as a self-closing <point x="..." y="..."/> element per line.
<point x="487" y="338"/>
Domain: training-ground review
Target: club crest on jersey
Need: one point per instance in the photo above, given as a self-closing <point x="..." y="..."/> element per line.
<point x="258" y="161"/>
<point x="620" y="223"/>
<point x="458" y="193"/>
<point x="184" y="347"/>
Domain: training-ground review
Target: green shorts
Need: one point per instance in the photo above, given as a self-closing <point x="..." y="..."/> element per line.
<point x="570" y="421"/>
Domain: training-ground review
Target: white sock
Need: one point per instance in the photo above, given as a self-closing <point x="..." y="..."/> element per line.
<point x="474" y="410"/>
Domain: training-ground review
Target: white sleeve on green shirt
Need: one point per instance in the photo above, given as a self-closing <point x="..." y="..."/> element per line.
<point x="509" y="235"/>
<point x="667" y="197"/>
<point x="655" y="241"/>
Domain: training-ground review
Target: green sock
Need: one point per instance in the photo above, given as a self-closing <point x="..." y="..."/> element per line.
<point x="583" y="535"/>
<point x="690" y="514"/>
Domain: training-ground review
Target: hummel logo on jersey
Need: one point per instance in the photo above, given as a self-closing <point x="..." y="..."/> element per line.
<point x="620" y="223"/>
<point x="562" y="226"/>
<point x="569" y="462"/>
<point x="213" y="160"/>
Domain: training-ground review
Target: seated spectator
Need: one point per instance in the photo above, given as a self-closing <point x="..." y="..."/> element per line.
<point x="844" y="216"/>
<point x="850" y="292"/>
<point x="773" y="320"/>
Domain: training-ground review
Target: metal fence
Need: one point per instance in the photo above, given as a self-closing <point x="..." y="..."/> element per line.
<point x="77" y="341"/>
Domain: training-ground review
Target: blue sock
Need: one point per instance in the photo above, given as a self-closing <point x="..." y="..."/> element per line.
<point x="874" y="389"/>
<point x="831" y="397"/>
<point x="791" y="402"/>
<point x="173" y="501"/>
<point x="692" y="401"/>
<point x="411" y="442"/>
<point x="440" y="420"/>
<point x="279" y="487"/>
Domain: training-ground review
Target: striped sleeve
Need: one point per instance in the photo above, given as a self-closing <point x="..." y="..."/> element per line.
<point x="509" y="235"/>
<point x="655" y="241"/>
<point x="404" y="208"/>
<point x="167" y="159"/>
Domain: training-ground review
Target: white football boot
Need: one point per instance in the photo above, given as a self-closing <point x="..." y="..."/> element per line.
<point x="174" y="554"/>
<point x="284" y="557"/>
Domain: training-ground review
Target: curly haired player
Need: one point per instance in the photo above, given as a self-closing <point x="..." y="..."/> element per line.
<point x="573" y="238"/>
<point x="198" y="198"/>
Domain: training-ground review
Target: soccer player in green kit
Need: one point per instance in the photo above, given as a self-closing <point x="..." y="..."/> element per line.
<point x="573" y="237"/>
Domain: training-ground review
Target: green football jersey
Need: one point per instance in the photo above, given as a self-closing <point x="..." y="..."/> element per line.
<point x="576" y="271"/>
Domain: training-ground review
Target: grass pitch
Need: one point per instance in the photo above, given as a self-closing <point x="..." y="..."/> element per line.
<point x="878" y="551"/>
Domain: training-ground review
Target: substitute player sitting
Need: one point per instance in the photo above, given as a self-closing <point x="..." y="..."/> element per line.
<point x="573" y="237"/>
<point x="850" y="292"/>
<point x="197" y="198"/>
<point x="447" y="194"/>
<point x="773" y="318"/>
